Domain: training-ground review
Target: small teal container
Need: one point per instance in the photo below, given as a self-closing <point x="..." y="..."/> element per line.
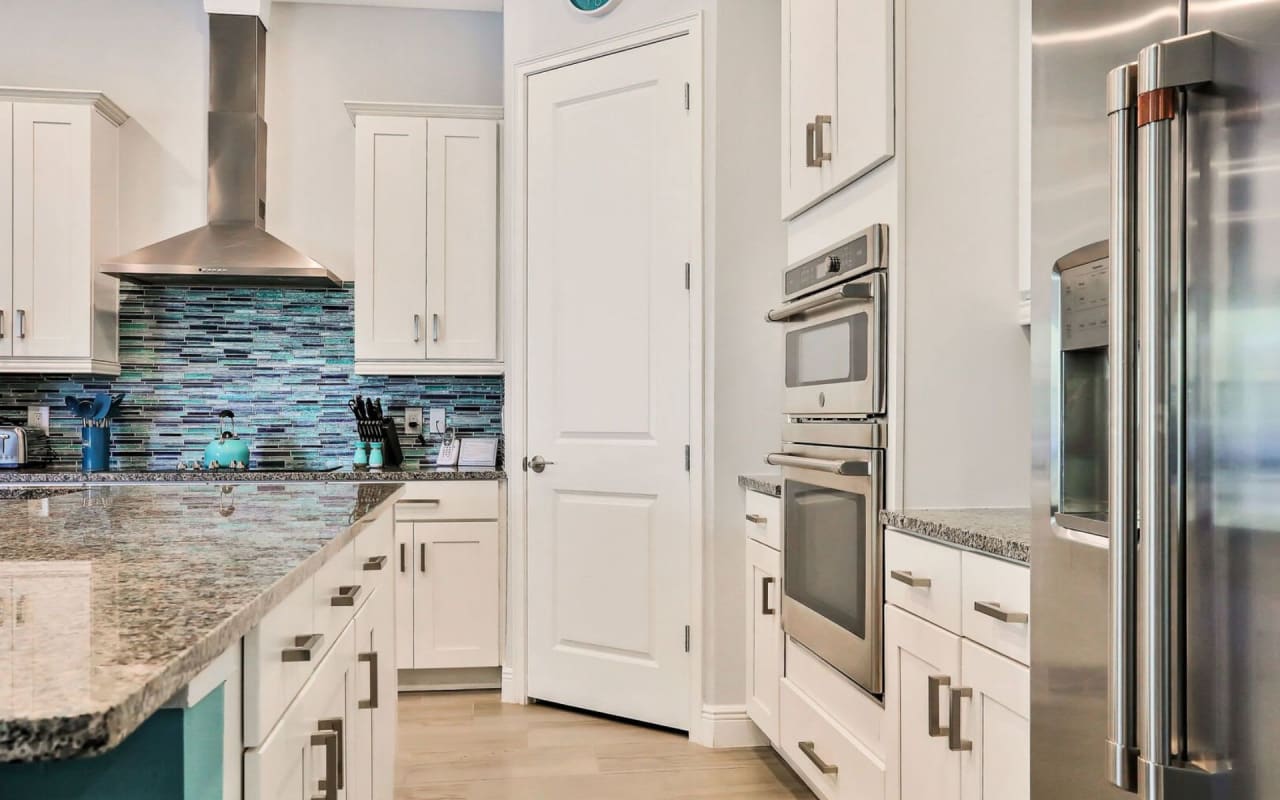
<point x="95" y="453"/>
<point x="375" y="455"/>
<point x="360" y="458"/>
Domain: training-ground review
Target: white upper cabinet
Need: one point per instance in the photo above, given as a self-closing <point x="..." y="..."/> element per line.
<point x="426" y="239"/>
<point x="58" y="222"/>
<point x="837" y="95"/>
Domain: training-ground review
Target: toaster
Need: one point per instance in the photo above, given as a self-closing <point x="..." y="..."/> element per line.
<point x="23" y="447"/>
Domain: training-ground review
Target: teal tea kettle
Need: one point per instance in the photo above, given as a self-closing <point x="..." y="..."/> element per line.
<point x="227" y="451"/>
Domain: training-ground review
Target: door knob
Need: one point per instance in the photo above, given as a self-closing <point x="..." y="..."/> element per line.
<point x="538" y="463"/>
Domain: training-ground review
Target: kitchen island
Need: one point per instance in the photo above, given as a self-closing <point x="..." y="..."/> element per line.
<point x="116" y="598"/>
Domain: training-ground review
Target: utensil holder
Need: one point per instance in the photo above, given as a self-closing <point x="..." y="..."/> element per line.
<point x="95" y="453"/>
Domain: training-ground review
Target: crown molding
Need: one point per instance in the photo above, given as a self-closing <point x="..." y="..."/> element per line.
<point x="491" y="6"/>
<point x="356" y="108"/>
<point x="88" y="97"/>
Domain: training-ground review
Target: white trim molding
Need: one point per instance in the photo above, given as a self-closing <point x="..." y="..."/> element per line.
<point x="728" y="726"/>
<point x="356" y="108"/>
<point x="488" y="6"/>
<point x="90" y="97"/>
<point x="371" y="367"/>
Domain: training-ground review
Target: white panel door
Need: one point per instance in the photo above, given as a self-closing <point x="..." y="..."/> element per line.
<point x="921" y="765"/>
<point x="808" y="91"/>
<point x="611" y="211"/>
<point x="391" y="242"/>
<point x="462" y="239"/>
<point x="764" y="636"/>
<point x="455" y="595"/>
<point x="373" y="760"/>
<point x="997" y="720"/>
<point x="52" y="279"/>
<point x="6" y="229"/>
<point x="404" y="581"/>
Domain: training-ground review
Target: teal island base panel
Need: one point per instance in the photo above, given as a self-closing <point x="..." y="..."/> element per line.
<point x="174" y="755"/>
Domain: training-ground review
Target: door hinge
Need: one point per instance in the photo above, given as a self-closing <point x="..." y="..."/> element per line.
<point x="687" y="271"/>
<point x="687" y="458"/>
<point x="687" y="95"/>
<point x="686" y="638"/>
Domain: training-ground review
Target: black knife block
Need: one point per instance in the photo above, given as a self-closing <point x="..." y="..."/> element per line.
<point x="392" y="455"/>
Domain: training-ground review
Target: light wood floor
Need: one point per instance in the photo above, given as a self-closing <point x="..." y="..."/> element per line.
<point x="469" y="746"/>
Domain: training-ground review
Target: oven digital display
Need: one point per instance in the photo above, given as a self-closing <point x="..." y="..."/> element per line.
<point x="847" y="258"/>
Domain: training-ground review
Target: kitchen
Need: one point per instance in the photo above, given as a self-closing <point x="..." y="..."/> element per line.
<point x="654" y="398"/>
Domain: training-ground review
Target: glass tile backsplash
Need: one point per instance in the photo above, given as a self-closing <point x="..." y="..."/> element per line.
<point x="281" y="359"/>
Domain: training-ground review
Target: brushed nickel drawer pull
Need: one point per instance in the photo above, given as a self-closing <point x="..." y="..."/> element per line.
<point x="422" y="557"/>
<point x="905" y="576"/>
<point x="335" y="724"/>
<point x="765" y="583"/>
<point x="954" y="742"/>
<point x="936" y="683"/>
<point x="756" y="519"/>
<point x="303" y="648"/>
<point x="809" y="750"/>
<point x="330" y="741"/>
<point x="374" y="563"/>
<point x="402" y="546"/>
<point x="346" y="596"/>
<point x="820" y="152"/>
<point x="372" y="660"/>
<point x="994" y="611"/>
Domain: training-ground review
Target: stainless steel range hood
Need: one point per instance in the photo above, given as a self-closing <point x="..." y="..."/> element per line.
<point x="233" y="249"/>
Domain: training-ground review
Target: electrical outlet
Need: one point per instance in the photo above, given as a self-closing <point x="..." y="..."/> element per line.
<point x="413" y="420"/>
<point x="38" y="417"/>
<point x="438" y="422"/>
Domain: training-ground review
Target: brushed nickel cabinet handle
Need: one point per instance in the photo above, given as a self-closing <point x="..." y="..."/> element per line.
<point x="372" y="660"/>
<point x="422" y="557"/>
<point x="374" y="563"/>
<point x="765" y="583"/>
<point x="905" y="576"/>
<point x="809" y="159"/>
<point x="812" y="753"/>
<point x="304" y="647"/>
<point x="402" y="547"/>
<point x="954" y="742"/>
<point x="335" y="724"/>
<point x="329" y="740"/>
<point x="346" y="596"/>
<point x="936" y="683"/>
<point x="435" y="327"/>
<point x="820" y="153"/>
<point x="756" y="519"/>
<point x="22" y="324"/>
<point x="1" y="323"/>
<point x="427" y="502"/>
<point x="417" y="326"/>
<point x="994" y="611"/>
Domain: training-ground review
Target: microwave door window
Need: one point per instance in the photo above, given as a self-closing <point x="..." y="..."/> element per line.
<point x="832" y="352"/>
<point x="826" y="544"/>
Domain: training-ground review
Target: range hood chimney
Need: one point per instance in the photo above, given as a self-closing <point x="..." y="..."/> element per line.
<point x="234" y="249"/>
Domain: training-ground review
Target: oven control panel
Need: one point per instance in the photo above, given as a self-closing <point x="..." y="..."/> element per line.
<point x="863" y="252"/>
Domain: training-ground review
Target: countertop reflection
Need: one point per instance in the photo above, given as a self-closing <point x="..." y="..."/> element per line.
<point x="113" y="598"/>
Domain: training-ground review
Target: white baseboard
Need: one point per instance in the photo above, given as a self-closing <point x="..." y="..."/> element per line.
<point x="511" y="692"/>
<point x="727" y="726"/>
<point x="448" y="680"/>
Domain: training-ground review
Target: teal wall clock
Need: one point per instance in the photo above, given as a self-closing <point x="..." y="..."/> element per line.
<point x="594" y="6"/>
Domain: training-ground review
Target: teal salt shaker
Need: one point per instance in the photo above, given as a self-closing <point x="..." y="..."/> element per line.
<point x="361" y="456"/>
<point x="375" y="455"/>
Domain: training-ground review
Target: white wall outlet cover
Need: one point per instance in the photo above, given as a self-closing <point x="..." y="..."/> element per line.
<point x="438" y="421"/>
<point x="413" y="419"/>
<point x="38" y="417"/>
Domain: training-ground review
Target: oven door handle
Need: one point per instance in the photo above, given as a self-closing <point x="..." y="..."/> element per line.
<point x="860" y="290"/>
<point x="856" y="468"/>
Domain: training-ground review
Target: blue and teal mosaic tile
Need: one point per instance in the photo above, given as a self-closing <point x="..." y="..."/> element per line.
<point x="281" y="359"/>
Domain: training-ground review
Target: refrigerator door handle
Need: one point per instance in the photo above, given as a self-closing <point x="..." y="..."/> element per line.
<point x="1122" y="709"/>
<point x="1164" y="70"/>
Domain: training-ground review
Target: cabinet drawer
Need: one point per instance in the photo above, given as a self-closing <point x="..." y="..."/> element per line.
<point x="908" y="558"/>
<point x="448" y="500"/>
<point x="851" y="707"/>
<point x="1000" y="589"/>
<point x="271" y="681"/>
<point x="338" y="588"/>
<point x="764" y="519"/>
<point x="836" y="765"/>
<point x="376" y="556"/>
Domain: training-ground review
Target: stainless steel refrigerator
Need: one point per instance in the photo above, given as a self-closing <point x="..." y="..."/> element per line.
<point x="1156" y="357"/>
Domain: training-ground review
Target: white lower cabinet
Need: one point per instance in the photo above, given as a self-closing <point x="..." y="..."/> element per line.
<point x="375" y="696"/>
<point x="764" y="637"/>
<point x="835" y="764"/>
<point x="922" y="665"/>
<point x="997" y="720"/>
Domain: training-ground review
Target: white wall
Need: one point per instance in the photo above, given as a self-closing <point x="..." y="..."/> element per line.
<point x="320" y="55"/>
<point x="744" y="253"/>
<point x="151" y="57"/>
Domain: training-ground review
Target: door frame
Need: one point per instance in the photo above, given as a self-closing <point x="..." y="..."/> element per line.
<point x="515" y="405"/>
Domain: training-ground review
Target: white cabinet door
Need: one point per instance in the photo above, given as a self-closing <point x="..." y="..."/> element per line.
<point x="997" y="720"/>
<point x="862" y="132"/>
<point x="52" y="259"/>
<point x="462" y="239"/>
<point x="764" y="637"/>
<point x="922" y="665"/>
<point x="6" y="229"/>
<point x="391" y="241"/>
<point x="808" y="92"/>
<point x="455" y="595"/>
<point x="373" y="763"/>
<point x="404" y="595"/>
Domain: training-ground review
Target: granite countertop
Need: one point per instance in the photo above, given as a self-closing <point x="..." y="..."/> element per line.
<point x="29" y="476"/>
<point x="1002" y="532"/>
<point x="127" y="592"/>
<point x="765" y="484"/>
